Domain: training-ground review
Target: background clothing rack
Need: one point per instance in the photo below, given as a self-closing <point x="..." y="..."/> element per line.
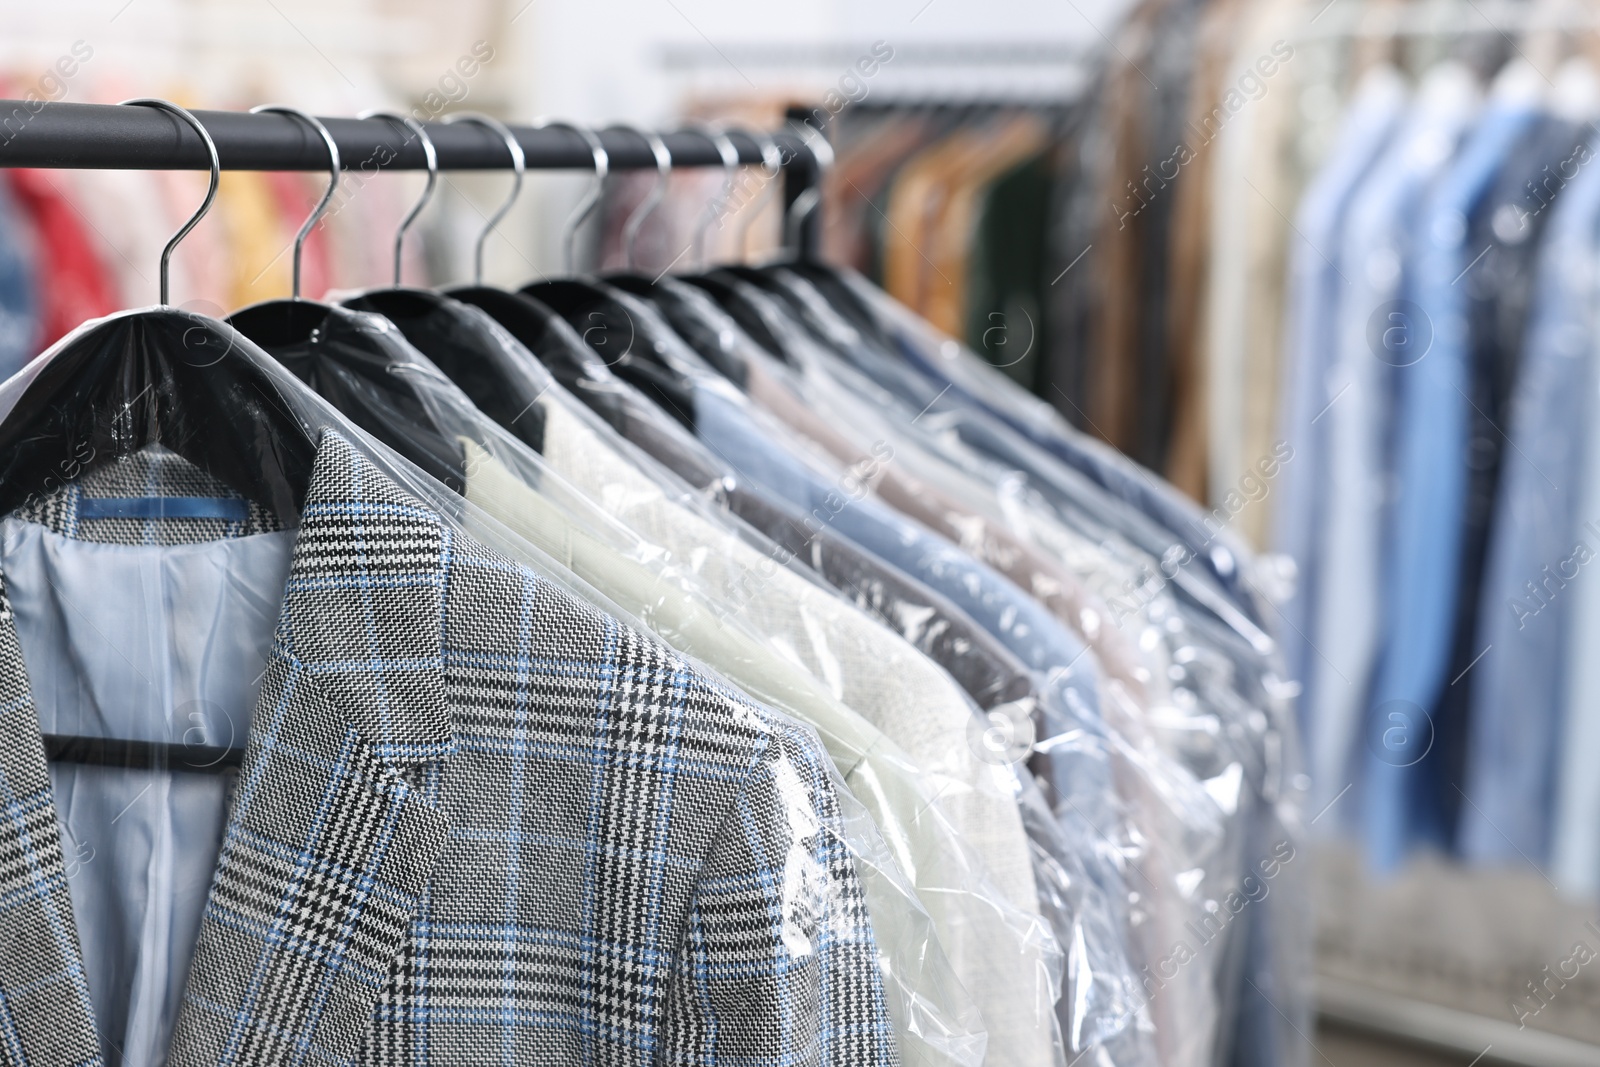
<point x="110" y="137"/>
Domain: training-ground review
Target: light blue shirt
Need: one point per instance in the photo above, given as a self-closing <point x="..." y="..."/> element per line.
<point x="1372" y="333"/>
<point x="162" y="643"/>
<point x="1315" y="289"/>
<point x="1518" y="687"/>
<point x="1432" y="452"/>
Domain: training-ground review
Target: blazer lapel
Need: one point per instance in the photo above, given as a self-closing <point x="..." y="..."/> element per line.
<point x="330" y="840"/>
<point x="45" y="1014"/>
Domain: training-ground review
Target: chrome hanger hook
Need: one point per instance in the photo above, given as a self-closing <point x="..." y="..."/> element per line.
<point x="772" y="164"/>
<point x="211" y="193"/>
<point x="519" y="164"/>
<point x="333" y="185"/>
<point x="428" y="153"/>
<point x="807" y="201"/>
<point x="730" y="166"/>
<point x="602" y="167"/>
<point x="647" y="206"/>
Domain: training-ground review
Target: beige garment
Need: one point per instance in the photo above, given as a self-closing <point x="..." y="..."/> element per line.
<point x="1274" y="166"/>
<point x="914" y="202"/>
<point x="1253" y="197"/>
<point x="1224" y="315"/>
<point x="1190" y="243"/>
<point x="874" y="672"/>
<point x="950" y="233"/>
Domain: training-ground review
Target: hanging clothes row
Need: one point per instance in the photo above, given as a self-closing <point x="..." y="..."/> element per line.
<point x="1447" y="516"/>
<point x="717" y="667"/>
<point x="1239" y="288"/>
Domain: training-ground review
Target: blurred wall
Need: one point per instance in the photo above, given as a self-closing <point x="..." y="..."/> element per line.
<point x="640" y="61"/>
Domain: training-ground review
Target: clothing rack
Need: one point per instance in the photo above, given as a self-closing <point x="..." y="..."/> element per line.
<point x="112" y="137"/>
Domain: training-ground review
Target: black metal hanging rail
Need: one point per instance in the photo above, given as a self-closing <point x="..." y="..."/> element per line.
<point x="110" y="137"/>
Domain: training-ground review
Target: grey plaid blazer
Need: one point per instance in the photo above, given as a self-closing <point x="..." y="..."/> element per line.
<point x="477" y="821"/>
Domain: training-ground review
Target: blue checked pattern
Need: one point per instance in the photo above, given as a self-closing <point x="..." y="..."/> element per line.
<point x="476" y="821"/>
<point x="715" y="1005"/>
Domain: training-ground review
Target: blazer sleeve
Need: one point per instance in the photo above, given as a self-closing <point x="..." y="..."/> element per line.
<point x="778" y="963"/>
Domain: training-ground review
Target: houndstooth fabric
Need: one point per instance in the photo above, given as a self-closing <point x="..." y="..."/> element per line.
<point x="151" y="472"/>
<point x="476" y="821"/>
<point x="45" y="1015"/>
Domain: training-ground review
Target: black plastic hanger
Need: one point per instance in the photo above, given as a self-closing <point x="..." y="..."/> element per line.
<point x="557" y="348"/>
<point x="590" y="308"/>
<point x="367" y="373"/>
<point x="187" y="382"/>
<point x="462" y="342"/>
<point x="283" y="322"/>
<point x="668" y="296"/>
<point x="553" y="341"/>
<point x="557" y="352"/>
<point x="624" y="338"/>
<point x="683" y="306"/>
<point x="162" y="375"/>
<point x="829" y="281"/>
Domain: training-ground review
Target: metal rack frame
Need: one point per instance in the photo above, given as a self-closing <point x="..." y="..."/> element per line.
<point x="110" y="137"/>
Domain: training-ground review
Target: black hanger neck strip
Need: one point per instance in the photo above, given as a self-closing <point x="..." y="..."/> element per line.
<point x="141" y="755"/>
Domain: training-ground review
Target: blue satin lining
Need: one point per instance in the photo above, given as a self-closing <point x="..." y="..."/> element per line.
<point x="151" y="643"/>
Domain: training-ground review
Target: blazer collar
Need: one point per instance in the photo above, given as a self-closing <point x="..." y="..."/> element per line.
<point x="363" y="610"/>
<point x="328" y="846"/>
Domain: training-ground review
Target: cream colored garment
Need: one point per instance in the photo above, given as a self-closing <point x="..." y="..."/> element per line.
<point x="863" y="664"/>
<point x="1223" y="317"/>
<point x="1273" y="167"/>
<point x="1255" y="192"/>
<point x="997" y="947"/>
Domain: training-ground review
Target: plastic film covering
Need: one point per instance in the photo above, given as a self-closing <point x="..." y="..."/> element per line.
<point x="1183" y="831"/>
<point x="663" y="451"/>
<point x="1106" y="1000"/>
<point x="935" y="358"/>
<point x="1103" y="992"/>
<point x="850" y="656"/>
<point x="155" y="459"/>
<point x="986" y="936"/>
<point x="1173" y="829"/>
<point x="1218" y="704"/>
<point x="838" y="647"/>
